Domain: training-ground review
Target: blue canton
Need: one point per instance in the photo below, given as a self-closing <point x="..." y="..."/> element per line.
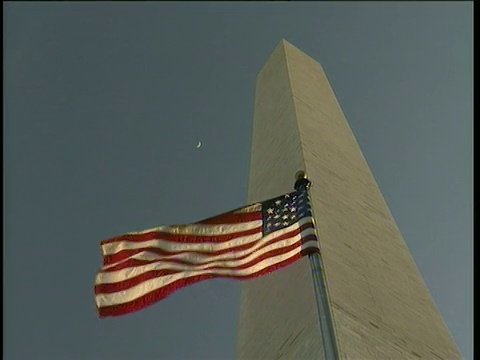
<point x="285" y="210"/>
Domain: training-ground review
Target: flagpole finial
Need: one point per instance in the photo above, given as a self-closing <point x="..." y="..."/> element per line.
<point x="302" y="181"/>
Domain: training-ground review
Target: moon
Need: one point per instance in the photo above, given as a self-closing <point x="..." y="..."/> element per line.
<point x="199" y="144"/>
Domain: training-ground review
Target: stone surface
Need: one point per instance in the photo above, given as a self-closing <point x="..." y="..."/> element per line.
<point x="381" y="306"/>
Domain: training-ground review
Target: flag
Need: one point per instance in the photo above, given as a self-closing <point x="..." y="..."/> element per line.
<point x="142" y="268"/>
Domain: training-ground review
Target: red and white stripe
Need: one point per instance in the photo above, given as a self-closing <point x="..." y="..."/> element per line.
<point x="145" y="267"/>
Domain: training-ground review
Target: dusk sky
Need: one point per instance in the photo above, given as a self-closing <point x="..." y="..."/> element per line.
<point x="105" y="102"/>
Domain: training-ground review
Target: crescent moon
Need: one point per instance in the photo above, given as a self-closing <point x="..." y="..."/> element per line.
<point x="199" y="144"/>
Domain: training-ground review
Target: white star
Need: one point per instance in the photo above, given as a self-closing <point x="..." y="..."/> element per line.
<point x="278" y="202"/>
<point x="285" y="217"/>
<point x="285" y="223"/>
<point x="293" y="209"/>
<point x="276" y="216"/>
<point x="270" y="211"/>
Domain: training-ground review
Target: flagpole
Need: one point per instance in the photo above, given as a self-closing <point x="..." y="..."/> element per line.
<point x="324" y="314"/>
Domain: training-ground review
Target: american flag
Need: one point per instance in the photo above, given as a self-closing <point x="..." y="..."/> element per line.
<point x="142" y="268"/>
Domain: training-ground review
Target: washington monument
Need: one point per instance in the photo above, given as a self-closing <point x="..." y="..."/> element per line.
<point x="380" y="305"/>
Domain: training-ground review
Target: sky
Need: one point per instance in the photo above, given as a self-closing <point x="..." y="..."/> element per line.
<point x="104" y="104"/>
